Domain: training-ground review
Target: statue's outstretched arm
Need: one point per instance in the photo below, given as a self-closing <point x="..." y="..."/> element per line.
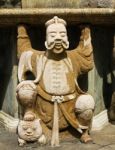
<point x="26" y="54"/>
<point x="85" y="45"/>
<point x="84" y="53"/>
<point x="23" y="40"/>
<point x="24" y="49"/>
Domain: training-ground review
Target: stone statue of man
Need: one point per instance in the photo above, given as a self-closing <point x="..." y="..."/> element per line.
<point x="54" y="96"/>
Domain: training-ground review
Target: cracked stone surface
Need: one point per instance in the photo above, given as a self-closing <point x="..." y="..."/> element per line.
<point x="103" y="140"/>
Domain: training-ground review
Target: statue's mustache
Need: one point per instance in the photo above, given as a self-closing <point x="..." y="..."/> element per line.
<point x="56" y="42"/>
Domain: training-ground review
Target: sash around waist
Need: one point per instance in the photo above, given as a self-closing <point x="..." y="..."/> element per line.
<point x="49" y="97"/>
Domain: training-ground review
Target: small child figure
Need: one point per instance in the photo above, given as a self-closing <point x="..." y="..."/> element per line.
<point x="30" y="131"/>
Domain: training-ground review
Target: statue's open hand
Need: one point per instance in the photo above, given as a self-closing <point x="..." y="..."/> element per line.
<point x="26" y="92"/>
<point x="42" y="140"/>
<point x="27" y="83"/>
<point x="85" y="36"/>
<point x="21" y="142"/>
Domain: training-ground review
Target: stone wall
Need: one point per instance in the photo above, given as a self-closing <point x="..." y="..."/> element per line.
<point x="97" y="3"/>
<point x="68" y="3"/>
<point x="10" y="3"/>
<point x="55" y="3"/>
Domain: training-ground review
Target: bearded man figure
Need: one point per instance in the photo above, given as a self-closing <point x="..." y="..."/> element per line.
<point x="55" y="96"/>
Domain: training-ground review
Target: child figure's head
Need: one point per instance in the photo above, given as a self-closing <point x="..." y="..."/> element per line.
<point x="29" y="130"/>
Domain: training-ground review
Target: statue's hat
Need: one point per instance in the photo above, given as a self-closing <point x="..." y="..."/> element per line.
<point x="55" y="20"/>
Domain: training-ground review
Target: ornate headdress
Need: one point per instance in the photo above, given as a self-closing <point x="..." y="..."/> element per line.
<point x="55" y="20"/>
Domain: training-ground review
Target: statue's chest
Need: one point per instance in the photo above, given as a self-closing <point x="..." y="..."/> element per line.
<point x="55" y="77"/>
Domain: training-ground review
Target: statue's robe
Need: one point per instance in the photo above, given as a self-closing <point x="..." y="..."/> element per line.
<point x="75" y="63"/>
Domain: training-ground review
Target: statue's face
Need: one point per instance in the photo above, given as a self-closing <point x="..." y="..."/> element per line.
<point x="56" y="38"/>
<point x="29" y="130"/>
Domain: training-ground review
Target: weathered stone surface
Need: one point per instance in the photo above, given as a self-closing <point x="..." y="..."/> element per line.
<point x="73" y="16"/>
<point x="105" y="3"/>
<point x="56" y="4"/>
<point x="50" y="4"/>
<point x="88" y="3"/>
<point x="68" y="4"/>
<point x="8" y="122"/>
<point x="97" y="3"/>
<point x="10" y="3"/>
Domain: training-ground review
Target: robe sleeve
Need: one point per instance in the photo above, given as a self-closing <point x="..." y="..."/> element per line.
<point x="82" y="56"/>
<point x="23" y="40"/>
<point x="26" y="54"/>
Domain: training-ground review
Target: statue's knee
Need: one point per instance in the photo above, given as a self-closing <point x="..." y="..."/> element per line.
<point x="86" y="115"/>
<point x="84" y="106"/>
<point x="26" y="93"/>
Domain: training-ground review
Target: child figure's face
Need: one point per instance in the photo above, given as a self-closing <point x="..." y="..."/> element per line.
<point x="29" y="130"/>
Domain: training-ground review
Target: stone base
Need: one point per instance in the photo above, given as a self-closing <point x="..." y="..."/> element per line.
<point x="100" y="121"/>
<point x="10" y="123"/>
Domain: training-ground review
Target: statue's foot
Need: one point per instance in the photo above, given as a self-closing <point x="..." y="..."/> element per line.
<point x="42" y="140"/>
<point x="21" y="142"/>
<point x="29" y="116"/>
<point x="85" y="138"/>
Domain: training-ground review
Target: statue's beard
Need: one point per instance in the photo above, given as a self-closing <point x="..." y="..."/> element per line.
<point x="57" y="46"/>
